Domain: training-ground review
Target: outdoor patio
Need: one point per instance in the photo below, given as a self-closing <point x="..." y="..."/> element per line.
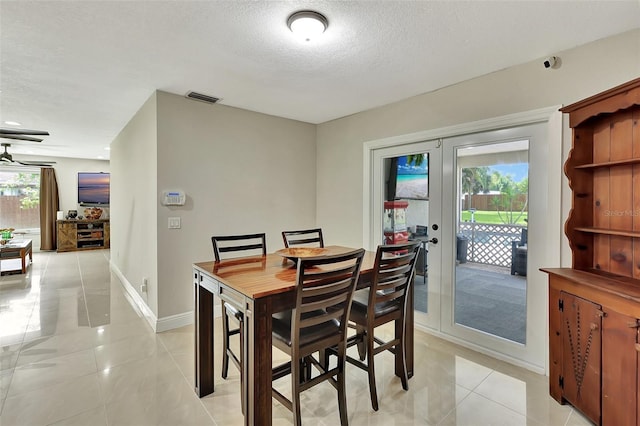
<point x="487" y="298"/>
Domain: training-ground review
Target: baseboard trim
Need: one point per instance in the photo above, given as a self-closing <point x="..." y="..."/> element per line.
<point x="158" y="324"/>
<point x="174" y="321"/>
<point x="134" y="298"/>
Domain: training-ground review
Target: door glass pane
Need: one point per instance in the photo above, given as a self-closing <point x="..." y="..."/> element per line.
<point x="491" y="239"/>
<point x="407" y="214"/>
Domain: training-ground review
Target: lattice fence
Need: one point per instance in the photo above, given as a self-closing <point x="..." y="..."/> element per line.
<point x="489" y="244"/>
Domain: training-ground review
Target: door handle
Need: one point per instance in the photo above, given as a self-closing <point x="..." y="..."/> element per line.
<point x="433" y="240"/>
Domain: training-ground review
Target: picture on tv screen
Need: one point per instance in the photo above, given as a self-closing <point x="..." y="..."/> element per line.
<point x="93" y="188"/>
<point x="412" y="177"/>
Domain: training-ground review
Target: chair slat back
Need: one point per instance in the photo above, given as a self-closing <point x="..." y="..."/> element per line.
<point x="256" y="243"/>
<point x="325" y="287"/>
<point x="305" y="237"/>
<point x="394" y="270"/>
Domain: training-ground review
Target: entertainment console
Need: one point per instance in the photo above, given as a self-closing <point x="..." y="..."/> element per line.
<point x="77" y="234"/>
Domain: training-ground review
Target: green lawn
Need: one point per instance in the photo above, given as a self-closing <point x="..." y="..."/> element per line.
<point x="492" y="217"/>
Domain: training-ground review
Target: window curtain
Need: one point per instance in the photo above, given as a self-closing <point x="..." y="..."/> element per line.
<point x="49" y="205"/>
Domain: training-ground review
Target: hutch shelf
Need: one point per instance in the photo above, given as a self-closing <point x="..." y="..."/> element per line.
<point x="594" y="307"/>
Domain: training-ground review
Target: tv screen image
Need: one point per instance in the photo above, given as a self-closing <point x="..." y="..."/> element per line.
<point x="93" y="188"/>
<point x="412" y="177"/>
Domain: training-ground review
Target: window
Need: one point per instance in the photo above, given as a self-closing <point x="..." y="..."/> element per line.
<point x="19" y="198"/>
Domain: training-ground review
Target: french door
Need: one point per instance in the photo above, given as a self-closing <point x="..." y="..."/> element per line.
<point x="423" y="217"/>
<point x="493" y="296"/>
<point x="446" y="312"/>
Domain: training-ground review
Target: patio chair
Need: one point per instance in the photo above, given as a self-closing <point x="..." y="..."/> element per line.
<point x="519" y="254"/>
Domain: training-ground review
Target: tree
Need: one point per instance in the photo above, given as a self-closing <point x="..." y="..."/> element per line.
<point x="510" y="192"/>
<point x="28" y="185"/>
<point x="474" y="181"/>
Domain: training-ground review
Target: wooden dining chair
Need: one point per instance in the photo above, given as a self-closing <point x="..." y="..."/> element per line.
<point x="247" y="244"/>
<point x="305" y="237"/>
<point x="385" y="301"/>
<point x="324" y="289"/>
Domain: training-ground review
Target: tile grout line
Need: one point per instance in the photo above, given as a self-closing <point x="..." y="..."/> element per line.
<point x="186" y="379"/>
<point x="84" y="292"/>
<point x="13" y="369"/>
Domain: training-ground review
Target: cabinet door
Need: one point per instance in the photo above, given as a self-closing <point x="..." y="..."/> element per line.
<point x="581" y="323"/>
<point x="67" y="236"/>
<point x="619" y="360"/>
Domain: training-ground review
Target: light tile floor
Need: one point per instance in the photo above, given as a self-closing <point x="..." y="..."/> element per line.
<point x="73" y="351"/>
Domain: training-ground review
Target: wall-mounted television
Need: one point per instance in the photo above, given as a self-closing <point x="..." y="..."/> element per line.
<point x="93" y="188"/>
<point x="409" y="177"/>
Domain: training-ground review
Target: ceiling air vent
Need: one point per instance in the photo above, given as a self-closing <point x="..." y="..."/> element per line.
<point x="204" y="98"/>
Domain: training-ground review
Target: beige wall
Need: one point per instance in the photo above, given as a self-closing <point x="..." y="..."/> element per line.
<point x="249" y="172"/>
<point x="134" y="173"/>
<point x="242" y="172"/>
<point x="584" y="71"/>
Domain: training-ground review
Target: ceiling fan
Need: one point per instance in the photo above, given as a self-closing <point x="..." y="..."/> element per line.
<point x="23" y="135"/>
<point x="5" y="157"/>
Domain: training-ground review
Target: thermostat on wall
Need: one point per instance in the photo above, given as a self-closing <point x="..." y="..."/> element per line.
<point x="173" y="198"/>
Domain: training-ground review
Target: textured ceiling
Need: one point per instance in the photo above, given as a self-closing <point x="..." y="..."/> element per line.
<point x="81" y="69"/>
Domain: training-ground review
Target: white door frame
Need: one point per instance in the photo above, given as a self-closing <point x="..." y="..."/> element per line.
<point x="551" y="154"/>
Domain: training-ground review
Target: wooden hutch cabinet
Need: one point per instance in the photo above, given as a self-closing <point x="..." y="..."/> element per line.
<point x="594" y="307"/>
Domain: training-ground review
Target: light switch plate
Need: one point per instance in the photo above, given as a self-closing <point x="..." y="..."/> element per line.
<point x="174" y="223"/>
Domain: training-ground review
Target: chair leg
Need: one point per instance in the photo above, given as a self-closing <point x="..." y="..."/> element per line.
<point x="241" y="357"/>
<point x="402" y="347"/>
<point x="305" y="369"/>
<point x="323" y="357"/>
<point x="225" y="342"/>
<point x="342" y="392"/>
<point x="400" y="350"/>
<point x="295" y="392"/>
<point x="362" y="348"/>
<point x="371" y="370"/>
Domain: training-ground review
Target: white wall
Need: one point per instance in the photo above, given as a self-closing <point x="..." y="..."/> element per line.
<point x="67" y="175"/>
<point x="584" y="71"/>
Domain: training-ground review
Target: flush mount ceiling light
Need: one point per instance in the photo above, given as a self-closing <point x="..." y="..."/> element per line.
<point x="307" y="24"/>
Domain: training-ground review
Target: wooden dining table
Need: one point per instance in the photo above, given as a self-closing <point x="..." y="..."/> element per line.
<point x="259" y="286"/>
